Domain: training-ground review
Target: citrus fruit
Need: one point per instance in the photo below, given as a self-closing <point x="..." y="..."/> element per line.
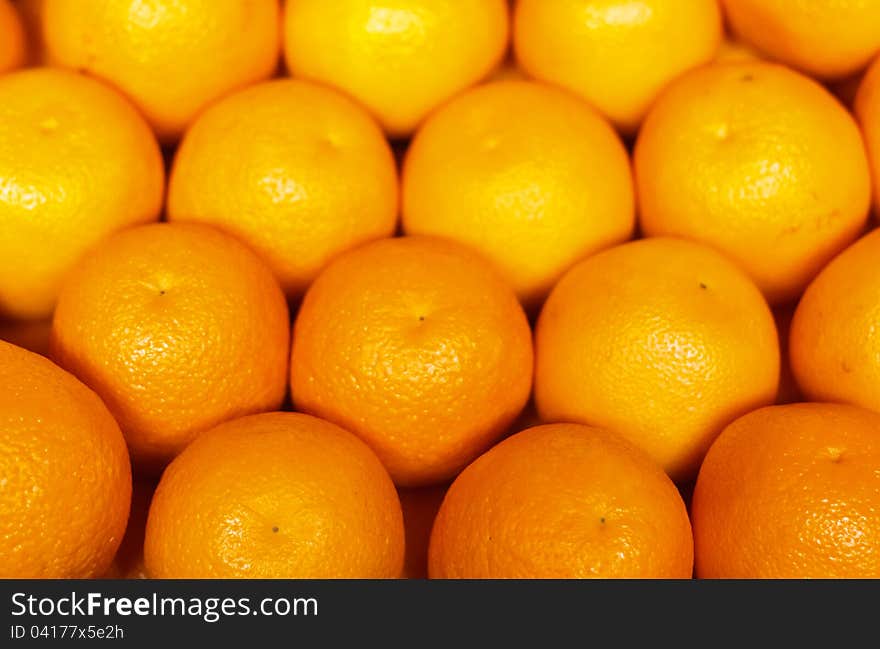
<point x="824" y="38"/>
<point x="399" y="58"/>
<point x="526" y="174"/>
<point x="276" y="495"/>
<point x="759" y="162"/>
<point x="76" y="163"/>
<point x="733" y="50"/>
<point x="295" y="170"/>
<point x="834" y="350"/>
<point x="419" y="347"/>
<point x="419" y="510"/>
<point x="178" y="327"/>
<point x="66" y="480"/>
<point x="661" y="340"/>
<point x="562" y="501"/>
<point x="12" y="40"/>
<point x="791" y="492"/>
<point x="867" y="108"/>
<point x="171" y="57"/>
<point x="616" y="54"/>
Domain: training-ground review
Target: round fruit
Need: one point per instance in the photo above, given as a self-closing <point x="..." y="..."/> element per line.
<point x="791" y="492"/>
<point x="759" y="162"/>
<point x="416" y="345"/>
<point x="528" y="175"/>
<point x="76" y="163"/>
<point x="277" y="495"/>
<point x="171" y="57"/>
<point x="834" y="350"/>
<point x="616" y="54"/>
<point x="399" y="58"/>
<point x="661" y="340"/>
<point x="562" y="501"/>
<point x="12" y="43"/>
<point x="867" y="108"/>
<point x="295" y="170"/>
<point x="66" y="480"/>
<point x="420" y="508"/>
<point x="178" y="328"/>
<point x="824" y="38"/>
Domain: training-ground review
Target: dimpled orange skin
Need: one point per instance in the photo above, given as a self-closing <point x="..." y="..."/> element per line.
<point x="661" y="340"/>
<point x="791" y="492"/>
<point x="171" y="57"/>
<point x="562" y="501"/>
<point x="616" y="54"/>
<point x="419" y="347"/>
<point x="834" y="350"/>
<point x="867" y="109"/>
<point x="829" y="39"/>
<point x="399" y="58"/>
<point x="296" y="170"/>
<point x="178" y="327"/>
<point x="540" y="180"/>
<point x="759" y="162"/>
<point x="12" y="44"/>
<point x="76" y="163"/>
<point x="272" y="496"/>
<point x="66" y="485"/>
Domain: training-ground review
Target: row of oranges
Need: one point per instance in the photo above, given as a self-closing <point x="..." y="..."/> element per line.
<point x="517" y="201"/>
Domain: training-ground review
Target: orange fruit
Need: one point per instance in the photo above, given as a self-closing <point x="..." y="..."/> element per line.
<point x="834" y="350"/>
<point x="867" y="108"/>
<point x="66" y="480"/>
<point x="419" y="347"/>
<point x="791" y="492"/>
<point x="616" y="54"/>
<point x="170" y="57"/>
<point x="733" y="50"/>
<point x="399" y="58"/>
<point x="824" y="38"/>
<point x="661" y="340"/>
<point x="12" y="42"/>
<point x="129" y="560"/>
<point x="178" y="328"/>
<point x="562" y="501"/>
<point x="277" y="495"/>
<point x="419" y="507"/>
<point x="295" y="170"/>
<point x="76" y="163"/>
<point x="528" y="175"/>
<point x="759" y="162"/>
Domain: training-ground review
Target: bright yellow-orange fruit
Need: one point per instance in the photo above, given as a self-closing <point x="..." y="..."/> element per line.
<point x="178" y="328"/>
<point x="616" y="54"/>
<point x="526" y="174"/>
<point x="829" y="39"/>
<point x="661" y="340"/>
<point x="12" y="43"/>
<point x="65" y="479"/>
<point x="867" y="109"/>
<point x="419" y="347"/>
<point x="171" y="57"/>
<point x="277" y="495"/>
<point x="76" y="163"/>
<point x="759" y="162"/>
<point x="791" y="492"/>
<point x="733" y="50"/>
<point x="562" y="501"/>
<point x="834" y="350"/>
<point x="295" y="170"/>
<point x="399" y="58"/>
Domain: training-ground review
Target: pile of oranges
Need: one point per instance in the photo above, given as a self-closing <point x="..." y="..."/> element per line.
<point x="446" y="288"/>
